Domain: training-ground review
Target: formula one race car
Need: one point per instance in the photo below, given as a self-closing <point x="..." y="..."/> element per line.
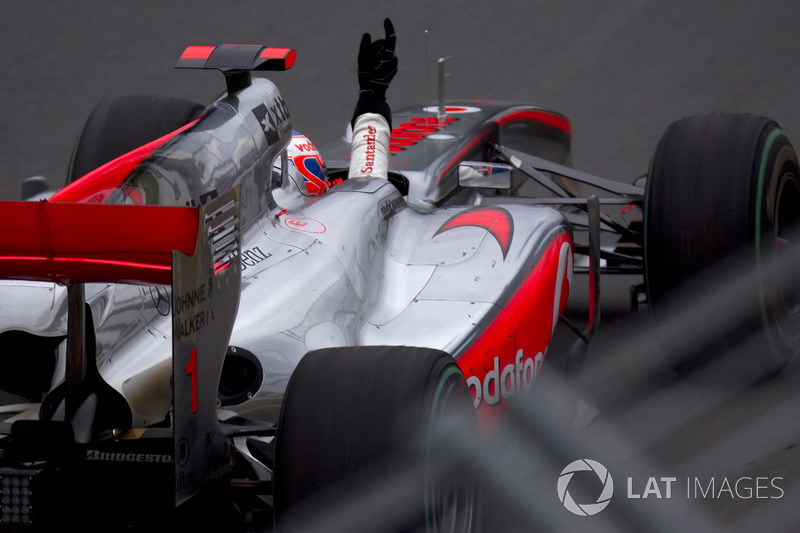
<point x="189" y="334"/>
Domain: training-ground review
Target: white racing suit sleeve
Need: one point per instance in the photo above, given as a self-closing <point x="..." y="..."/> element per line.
<point x="369" y="151"/>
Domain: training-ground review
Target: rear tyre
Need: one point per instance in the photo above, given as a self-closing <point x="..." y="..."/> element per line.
<point x="722" y="185"/>
<point x="120" y="124"/>
<point x="348" y="420"/>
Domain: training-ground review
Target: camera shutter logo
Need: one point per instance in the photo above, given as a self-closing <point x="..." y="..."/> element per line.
<point x="586" y="509"/>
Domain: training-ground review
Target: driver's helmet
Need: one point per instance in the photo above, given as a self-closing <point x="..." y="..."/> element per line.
<point x="306" y="168"/>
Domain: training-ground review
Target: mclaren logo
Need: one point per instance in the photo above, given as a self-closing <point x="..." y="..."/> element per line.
<point x="495" y="220"/>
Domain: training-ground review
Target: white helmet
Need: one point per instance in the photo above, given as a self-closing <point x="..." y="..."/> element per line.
<point x="306" y="168"/>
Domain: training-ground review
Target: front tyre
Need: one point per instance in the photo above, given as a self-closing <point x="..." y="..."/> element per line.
<point x="719" y="185"/>
<point x="351" y="412"/>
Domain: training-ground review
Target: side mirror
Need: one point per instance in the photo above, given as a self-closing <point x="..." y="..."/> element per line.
<point x="487" y="175"/>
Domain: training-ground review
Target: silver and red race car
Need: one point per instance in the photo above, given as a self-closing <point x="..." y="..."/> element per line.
<point x="190" y="334"/>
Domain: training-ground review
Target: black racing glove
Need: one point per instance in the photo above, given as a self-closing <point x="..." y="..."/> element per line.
<point x="377" y="65"/>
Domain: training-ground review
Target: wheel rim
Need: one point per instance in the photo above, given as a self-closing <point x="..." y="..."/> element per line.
<point x="787" y="216"/>
<point x="451" y="494"/>
<point x="786" y="300"/>
<point x="777" y="210"/>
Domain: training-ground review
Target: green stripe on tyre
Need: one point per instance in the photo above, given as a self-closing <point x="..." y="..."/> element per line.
<point x="762" y="172"/>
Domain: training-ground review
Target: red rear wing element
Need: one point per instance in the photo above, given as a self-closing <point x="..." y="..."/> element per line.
<point x="79" y="243"/>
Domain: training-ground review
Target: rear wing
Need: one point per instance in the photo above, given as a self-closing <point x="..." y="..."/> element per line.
<point x="196" y="250"/>
<point x="78" y="243"/>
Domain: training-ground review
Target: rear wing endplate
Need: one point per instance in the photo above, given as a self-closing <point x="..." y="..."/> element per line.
<point x="205" y="293"/>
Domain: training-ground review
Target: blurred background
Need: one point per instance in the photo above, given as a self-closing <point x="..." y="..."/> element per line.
<point x="622" y="71"/>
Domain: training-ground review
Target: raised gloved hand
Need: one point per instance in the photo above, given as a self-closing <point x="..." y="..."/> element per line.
<point x="377" y="65"/>
<point x="377" y="62"/>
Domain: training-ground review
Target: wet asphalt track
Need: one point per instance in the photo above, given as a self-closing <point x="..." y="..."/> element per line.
<point x="622" y="71"/>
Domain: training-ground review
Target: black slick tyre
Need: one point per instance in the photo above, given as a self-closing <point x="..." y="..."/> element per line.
<point x="348" y="421"/>
<point x="120" y="124"/>
<point x="722" y="186"/>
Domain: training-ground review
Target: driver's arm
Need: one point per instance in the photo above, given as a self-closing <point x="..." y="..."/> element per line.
<point x="369" y="151"/>
<point x="372" y="118"/>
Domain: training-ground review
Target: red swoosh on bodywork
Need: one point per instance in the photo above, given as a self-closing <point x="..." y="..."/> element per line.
<point x="495" y="220"/>
<point x="98" y="184"/>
